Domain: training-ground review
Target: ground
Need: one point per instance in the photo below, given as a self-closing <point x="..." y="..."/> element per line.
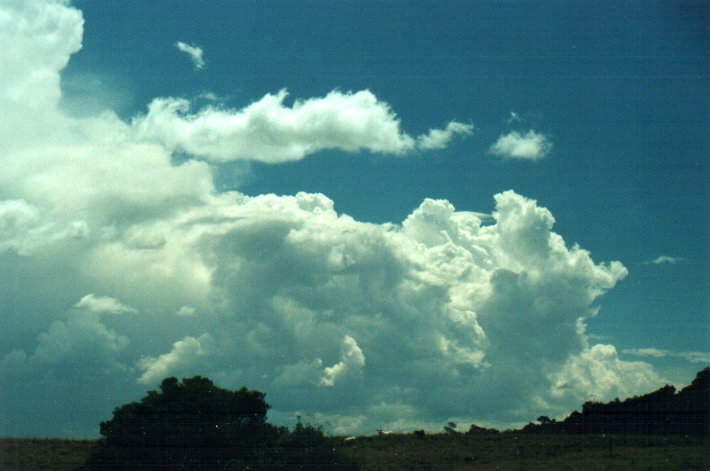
<point x="505" y="451"/>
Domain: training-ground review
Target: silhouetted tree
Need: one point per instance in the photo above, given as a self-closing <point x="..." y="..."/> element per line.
<point x="450" y="427"/>
<point x="544" y="420"/>
<point x="476" y="430"/>
<point x="197" y="425"/>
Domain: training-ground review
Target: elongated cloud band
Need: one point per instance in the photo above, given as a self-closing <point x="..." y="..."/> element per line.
<point x="693" y="357"/>
<point x="103" y="304"/>
<point x="665" y="260"/>
<point x="268" y="131"/>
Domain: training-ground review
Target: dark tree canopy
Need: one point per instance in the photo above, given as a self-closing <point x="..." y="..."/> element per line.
<point x="194" y="424"/>
<point x="662" y="412"/>
<point x="192" y="412"/>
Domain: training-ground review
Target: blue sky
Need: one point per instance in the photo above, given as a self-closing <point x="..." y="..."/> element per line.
<point x="135" y="203"/>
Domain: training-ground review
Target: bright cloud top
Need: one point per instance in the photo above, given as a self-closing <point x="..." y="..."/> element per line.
<point x="529" y="146"/>
<point x="352" y="358"/>
<point x="397" y="325"/>
<point x="271" y="132"/>
<point x="196" y="54"/>
<point x="37" y="40"/>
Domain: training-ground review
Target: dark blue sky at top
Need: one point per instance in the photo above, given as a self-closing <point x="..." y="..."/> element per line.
<point x="621" y="89"/>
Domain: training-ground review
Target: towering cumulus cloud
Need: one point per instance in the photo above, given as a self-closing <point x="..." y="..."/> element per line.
<point x="120" y="268"/>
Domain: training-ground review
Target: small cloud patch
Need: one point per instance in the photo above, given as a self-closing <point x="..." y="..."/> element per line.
<point x="665" y="260"/>
<point x="196" y="54"/>
<point x="529" y="146"/>
<point x="103" y="304"/>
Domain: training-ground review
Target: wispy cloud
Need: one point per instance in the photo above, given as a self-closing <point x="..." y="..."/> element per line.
<point x="692" y="357"/>
<point x="196" y="54"/>
<point x="186" y="311"/>
<point x="513" y="117"/>
<point x="665" y="260"/>
<point x="529" y="146"/>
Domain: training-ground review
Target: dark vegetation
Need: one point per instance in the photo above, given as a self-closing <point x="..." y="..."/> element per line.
<point x="197" y="425"/>
<point x="194" y="424"/>
<point x="662" y="412"/>
<point x="512" y="450"/>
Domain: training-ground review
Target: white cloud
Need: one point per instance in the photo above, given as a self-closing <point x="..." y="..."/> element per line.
<point x="352" y="359"/>
<point x="19" y="229"/>
<point x="105" y="304"/>
<point x="598" y="374"/>
<point x="196" y="54"/>
<point x="692" y="357"/>
<point x="440" y="138"/>
<point x="38" y="37"/>
<point x="399" y="323"/>
<point x="513" y="117"/>
<point x="529" y="146"/>
<point x="269" y="131"/>
<point x="184" y="355"/>
<point x="665" y="260"/>
<point x="24" y="230"/>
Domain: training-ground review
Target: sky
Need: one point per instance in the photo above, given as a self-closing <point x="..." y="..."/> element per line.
<point x="385" y="215"/>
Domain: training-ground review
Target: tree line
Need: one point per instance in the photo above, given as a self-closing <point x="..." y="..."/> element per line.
<point x="662" y="412"/>
<point x="195" y="424"/>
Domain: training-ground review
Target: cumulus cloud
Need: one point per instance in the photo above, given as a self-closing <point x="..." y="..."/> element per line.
<point x="440" y="138"/>
<point x="46" y="33"/>
<point x="184" y="355"/>
<point x="67" y="342"/>
<point x="105" y="304"/>
<point x="394" y="324"/>
<point x="597" y="373"/>
<point x="529" y="146"/>
<point x="196" y="54"/>
<point x="19" y="226"/>
<point x="272" y="132"/>
<point x="352" y="359"/>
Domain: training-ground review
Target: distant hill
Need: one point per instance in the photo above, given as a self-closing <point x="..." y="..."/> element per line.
<point x="662" y="412"/>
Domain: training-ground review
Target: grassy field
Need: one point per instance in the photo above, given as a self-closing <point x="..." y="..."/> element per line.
<point x="507" y="451"/>
<point x="515" y="451"/>
<point x="43" y="454"/>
